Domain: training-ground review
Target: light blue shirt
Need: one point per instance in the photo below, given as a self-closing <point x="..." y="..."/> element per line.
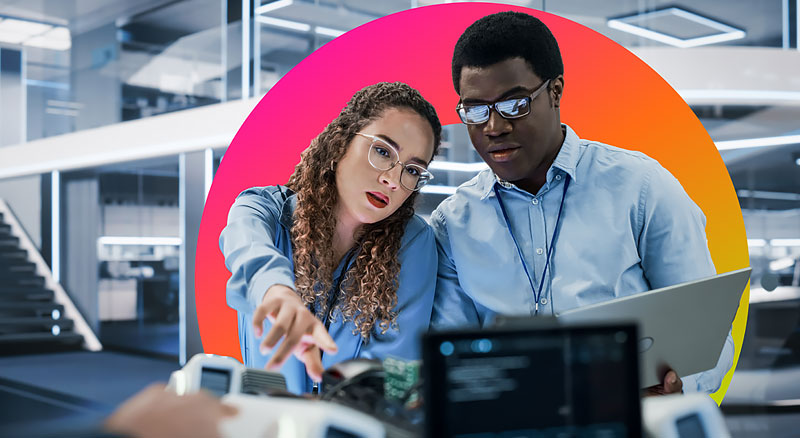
<point x="627" y="226"/>
<point x="257" y="247"/>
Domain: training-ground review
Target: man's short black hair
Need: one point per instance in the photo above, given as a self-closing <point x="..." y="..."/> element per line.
<point x="497" y="37"/>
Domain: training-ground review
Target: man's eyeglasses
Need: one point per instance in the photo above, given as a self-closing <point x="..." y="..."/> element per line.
<point x="383" y="156"/>
<point x="475" y="114"/>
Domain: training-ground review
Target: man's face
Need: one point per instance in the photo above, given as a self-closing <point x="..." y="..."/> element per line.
<point x="517" y="150"/>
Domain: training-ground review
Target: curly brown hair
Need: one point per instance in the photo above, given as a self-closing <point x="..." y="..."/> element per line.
<point x="370" y="287"/>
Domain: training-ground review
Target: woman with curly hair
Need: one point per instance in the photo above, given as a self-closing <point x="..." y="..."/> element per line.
<point x="335" y="265"/>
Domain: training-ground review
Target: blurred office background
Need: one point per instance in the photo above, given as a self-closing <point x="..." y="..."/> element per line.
<point x="115" y="114"/>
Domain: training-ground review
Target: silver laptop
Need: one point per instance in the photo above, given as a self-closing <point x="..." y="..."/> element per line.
<point x="682" y="327"/>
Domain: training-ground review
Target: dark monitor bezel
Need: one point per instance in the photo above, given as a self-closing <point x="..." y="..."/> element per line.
<point x="434" y="397"/>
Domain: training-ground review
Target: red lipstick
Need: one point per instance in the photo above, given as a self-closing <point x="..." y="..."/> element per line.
<point x="379" y="200"/>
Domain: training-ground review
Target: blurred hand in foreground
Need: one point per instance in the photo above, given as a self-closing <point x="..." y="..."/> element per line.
<point x="155" y="413"/>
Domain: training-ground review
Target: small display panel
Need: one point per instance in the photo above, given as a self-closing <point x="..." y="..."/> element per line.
<point x="691" y="426"/>
<point x="215" y="381"/>
<point x="335" y="432"/>
<point x="578" y="381"/>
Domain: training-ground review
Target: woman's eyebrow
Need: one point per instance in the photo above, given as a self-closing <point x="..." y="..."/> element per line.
<point x="389" y="140"/>
<point x="394" y="144"/>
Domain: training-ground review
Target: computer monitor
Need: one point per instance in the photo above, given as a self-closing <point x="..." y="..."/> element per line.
<point x="532" y="381"/>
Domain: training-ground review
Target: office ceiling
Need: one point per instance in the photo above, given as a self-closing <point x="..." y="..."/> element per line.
<point x="760" y="19"/>
<point x="764" y="169"/>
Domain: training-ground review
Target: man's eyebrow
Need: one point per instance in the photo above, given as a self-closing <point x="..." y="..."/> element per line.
<point x="394" y="144"/>
<point x="519" y="89"/>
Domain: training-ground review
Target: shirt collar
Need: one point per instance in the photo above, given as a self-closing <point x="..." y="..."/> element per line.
<point x="567" y="158"/>
<point x="287" y="210"/>
<point x="566" y="161"/>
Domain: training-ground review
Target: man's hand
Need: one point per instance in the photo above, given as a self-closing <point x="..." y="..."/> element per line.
<point x="154" y="412"/>
<point x="671" y="384"/>
<point x="303" y="334"/>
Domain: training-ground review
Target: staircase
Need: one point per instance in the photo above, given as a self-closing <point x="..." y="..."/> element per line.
<point x="36" y="315"/>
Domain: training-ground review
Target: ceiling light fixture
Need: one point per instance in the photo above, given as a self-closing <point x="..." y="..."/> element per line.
<point x="758" y="142"/>
<point x="286" y="24"/>
<point x="781" y="264"/>
<point x="62" y="112"/>
<point x="58" y="33"/>
<point x="28" y="28"/>
<point x="34" y="34"/>
<point x="12" y="38"/>
<point x="438" y="190"/>
<point x="457" y="167"/>
<point x="269" y="7"/>
<point x="756" y="95"/>
<point x="630" y="24"/>
<point x="49" y="43"/>
<point x="133" y="240"/>
<point x="327" y="31"/>
<point x="763" y="194"/>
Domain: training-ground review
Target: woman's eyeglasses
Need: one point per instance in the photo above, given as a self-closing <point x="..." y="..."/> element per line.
<point x="383" y="156"/>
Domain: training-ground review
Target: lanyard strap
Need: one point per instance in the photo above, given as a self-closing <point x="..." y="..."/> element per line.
<point x="333" y="296"/>
<point x="536" y="294"/>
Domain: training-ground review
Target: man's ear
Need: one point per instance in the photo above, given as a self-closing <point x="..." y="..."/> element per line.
<point x="557" y="90"/>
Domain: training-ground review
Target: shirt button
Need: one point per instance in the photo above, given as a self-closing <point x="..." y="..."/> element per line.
<point x="539" y="251"/>
<point x="558" y="177"/>
<point x="535" y="201"/>
<point x="543" y="301"/>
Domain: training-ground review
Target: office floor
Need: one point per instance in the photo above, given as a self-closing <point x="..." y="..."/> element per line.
<point x="47" y="393"/>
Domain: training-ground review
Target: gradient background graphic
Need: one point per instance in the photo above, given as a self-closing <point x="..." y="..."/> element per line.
<point x="609" y="96"/>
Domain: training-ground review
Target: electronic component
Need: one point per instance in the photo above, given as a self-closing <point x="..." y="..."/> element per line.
<point x="400" y="380"/>
<point x="683" y="416"/>
<point x="222" y="375"/>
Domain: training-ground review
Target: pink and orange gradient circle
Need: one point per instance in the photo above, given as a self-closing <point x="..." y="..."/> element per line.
<point x="610" y="95"/>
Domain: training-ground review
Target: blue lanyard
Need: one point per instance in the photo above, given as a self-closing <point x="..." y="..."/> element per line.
<point x="333" y="298"/>
<point x="536" y="294"/>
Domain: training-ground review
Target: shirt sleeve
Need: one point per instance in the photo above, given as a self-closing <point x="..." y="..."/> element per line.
<point x="710" y="381"/>
<point x="251" y="255"/>
<point x="674" y="249"/>
<point x="416" y="285"/>
<point x="452" y="307"/>
<point x="672" y="244"/>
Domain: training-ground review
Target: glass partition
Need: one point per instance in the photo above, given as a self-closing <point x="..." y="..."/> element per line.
<point x="120" y="252"/>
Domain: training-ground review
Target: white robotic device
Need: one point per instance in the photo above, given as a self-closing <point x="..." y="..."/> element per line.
<point x="295" y="417"/>
<point x="263" y="415"/>
<point x="683" y="416"/>
<point x="218" y="375"/>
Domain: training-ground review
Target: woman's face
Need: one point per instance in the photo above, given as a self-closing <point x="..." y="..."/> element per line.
<point x="368" y="195"/>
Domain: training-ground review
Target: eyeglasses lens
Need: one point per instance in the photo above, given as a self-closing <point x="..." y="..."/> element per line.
<point x="513" y="107"/>
<point x="509" y="109"/>
<point x="382" y="157"/>
<point x="475" y="114"/>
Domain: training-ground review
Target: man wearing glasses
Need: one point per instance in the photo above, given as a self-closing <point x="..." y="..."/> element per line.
<point x="557" y="222"/>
